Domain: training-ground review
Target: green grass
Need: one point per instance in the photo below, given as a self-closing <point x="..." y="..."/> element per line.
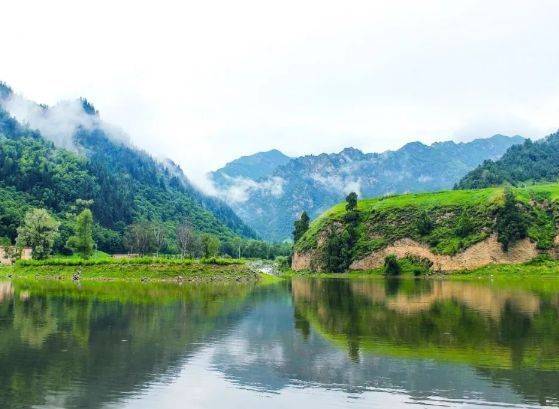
<point x="385" y="220"/>
<point x="148" y="260"/>
<point x="135" y="269"/>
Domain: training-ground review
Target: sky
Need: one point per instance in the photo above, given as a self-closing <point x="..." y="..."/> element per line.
<point x="204" y="82"/>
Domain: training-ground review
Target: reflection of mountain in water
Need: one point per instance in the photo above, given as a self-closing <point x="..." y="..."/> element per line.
<point x="510" y="336"/>
<point x="431" y="341"/>
<point x="75" y="350"/>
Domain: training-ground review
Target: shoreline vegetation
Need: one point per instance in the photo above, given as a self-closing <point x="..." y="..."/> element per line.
<point x="176" y="270"/>
<point x="159" y="269"/>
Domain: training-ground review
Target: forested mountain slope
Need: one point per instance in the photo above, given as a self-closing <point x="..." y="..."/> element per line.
<point x="125" y="184"/>
<point x="315" y="183"/>
<point x="529" y="162"/>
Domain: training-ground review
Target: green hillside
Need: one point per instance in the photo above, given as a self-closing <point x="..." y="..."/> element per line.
<point x="521" y="164"/>
<point x="448" y="221"/>
<point x="122" y="185"/>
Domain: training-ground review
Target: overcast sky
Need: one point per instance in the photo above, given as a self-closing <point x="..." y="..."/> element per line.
<point x="205" y="81"/>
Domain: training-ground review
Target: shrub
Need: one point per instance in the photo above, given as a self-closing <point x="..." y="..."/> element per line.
<point x="424" y="224"/>
<point x="511" y="224"/>
<point x="391" y="265"/>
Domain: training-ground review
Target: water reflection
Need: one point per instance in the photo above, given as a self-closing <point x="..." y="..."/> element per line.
<point x="506" y="335"/>
<point x="321" y="342"/>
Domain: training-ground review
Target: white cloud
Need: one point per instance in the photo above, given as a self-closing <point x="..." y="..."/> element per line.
<point x="240" y="189"/>
<point x="336" y="183"/>
<point x="206" y="82"/>
<point x="60" y="122"/>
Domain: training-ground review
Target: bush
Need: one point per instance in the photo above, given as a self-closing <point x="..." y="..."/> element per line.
<point x="391" y="265"/>
<point x="424" y="224"/>
<point x="511" y="224"/>
<point x="464" y="225"/>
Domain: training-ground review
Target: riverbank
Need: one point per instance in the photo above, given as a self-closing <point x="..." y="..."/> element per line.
<point x="539" y="267"/>
<point x="134" y="269"/>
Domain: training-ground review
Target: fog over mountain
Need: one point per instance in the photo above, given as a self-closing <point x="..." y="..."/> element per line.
<point x="271" y="191"/>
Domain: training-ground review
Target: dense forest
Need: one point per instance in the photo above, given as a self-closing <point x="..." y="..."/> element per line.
<point x="122" y="186"/>
<point x="527" y="163"/>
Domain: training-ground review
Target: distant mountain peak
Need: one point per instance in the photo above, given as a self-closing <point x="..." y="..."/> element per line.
<point x="255" y="166"/>
<point x="316" y="182"/>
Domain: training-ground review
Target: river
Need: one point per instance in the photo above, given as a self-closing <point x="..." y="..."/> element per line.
<point x="313" y="343"/>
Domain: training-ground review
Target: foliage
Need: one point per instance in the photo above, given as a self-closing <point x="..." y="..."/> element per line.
<point x="351" y="202"/>
<point x="340" y="246"/>
<point x="511" y="225"/>
<point x="210" y="245"/>
<point x="458" y="219"/>
<point x="465" y="225"/>
<point x="300" y="226"/>
<point x="39" y="231"/>
<point x="335" y="254"/>
<point x="532" y="161"/>
<point x="120" y="184"/>
<point x="391" y="265"/>
<point x="82" y="242"/>
<point x="189" y="242"/>
<point x="424" y="224"/>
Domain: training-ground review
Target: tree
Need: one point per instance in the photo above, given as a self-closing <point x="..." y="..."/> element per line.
<point x="138" y="238"/>
<point x="82" y="240"/>
<point x="210" y="244"/>
<point x="336" y="253"/>
<point x="391" y="265"/>
<point x="351" y="202"/>
<point x="511" y="225"/>
<point x="159" y="236"/>
<point x="39" y="231"/>
<point x="188" y="241"/>
<point x="300" y="226"/>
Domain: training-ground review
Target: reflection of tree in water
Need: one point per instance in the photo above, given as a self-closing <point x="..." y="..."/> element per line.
<point x="511" y="330"/>
<point x="93" y="352"/>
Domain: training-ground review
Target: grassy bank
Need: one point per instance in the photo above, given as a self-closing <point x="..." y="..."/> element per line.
<point x="133" y="269"/>
<point x="448" y="222"/>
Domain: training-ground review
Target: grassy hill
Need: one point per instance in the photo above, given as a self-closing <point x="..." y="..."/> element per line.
<point x="448" y="222"/>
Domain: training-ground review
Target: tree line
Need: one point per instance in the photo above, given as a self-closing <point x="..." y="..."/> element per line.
<point x="41" y="231"/>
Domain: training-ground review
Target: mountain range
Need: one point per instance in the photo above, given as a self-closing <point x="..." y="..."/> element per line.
<point x="60" y="156"/>
<point x="269" y="190"/>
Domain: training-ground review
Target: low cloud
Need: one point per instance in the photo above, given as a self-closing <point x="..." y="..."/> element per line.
<point x="240" y="189"/>
<point x="338" y="184"/>
<point x="59" y="122"/>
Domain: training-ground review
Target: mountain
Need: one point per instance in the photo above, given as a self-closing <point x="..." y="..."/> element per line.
<point x="254" y="167"/>
<point x="269" y="204"/>
<point x="56" y="157"/>
<point x="530" y="162"/>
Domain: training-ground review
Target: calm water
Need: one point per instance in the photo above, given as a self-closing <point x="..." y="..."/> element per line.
<point x="305" y="343"/>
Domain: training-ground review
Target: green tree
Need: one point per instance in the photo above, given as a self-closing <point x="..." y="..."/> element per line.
<point x="300" y="226"/>
<point x="188" y="241"/>
<point x="336" y="252"/>
<point x="138" y="238"/>
<point x="210" y="244"/>
<point x="351" y="202"/>
<point x="391" y="265"/>
<point x="511" y="224"/>
<point x="39" y="231"/>
<point x="82" y="240"/>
